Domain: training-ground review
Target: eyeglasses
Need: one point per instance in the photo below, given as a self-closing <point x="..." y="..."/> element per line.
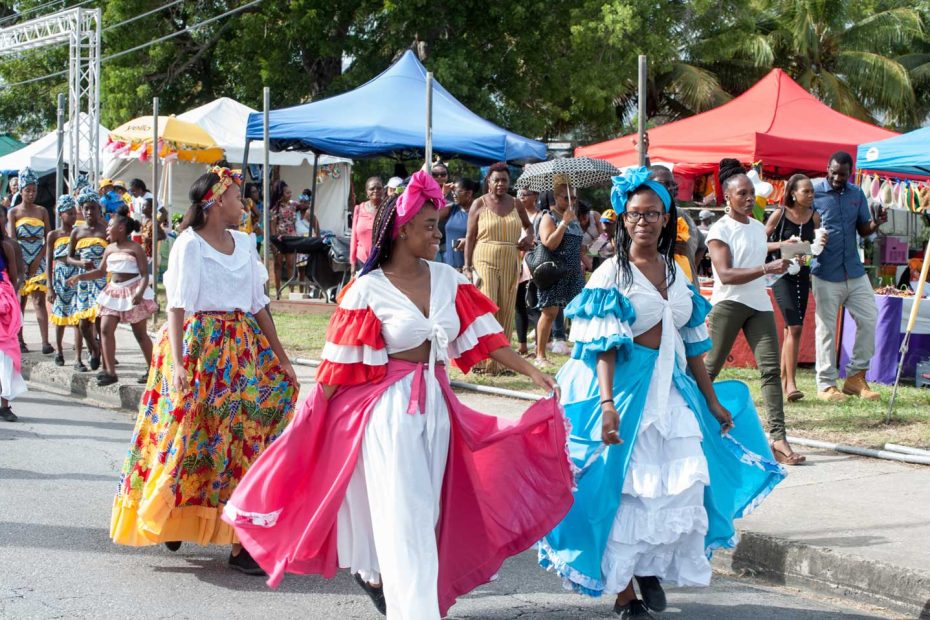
<point x="633" y="217"/>
<point x="440" y="174"/>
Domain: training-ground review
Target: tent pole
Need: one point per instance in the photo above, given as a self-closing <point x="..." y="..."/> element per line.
<point x="245" y="161"/>
<point x="155" y="204"/>
<point x="641" y="120"/>
<point x="316" y="163"/>
<point x="60" y="159"/>
<point x="428" y="151"/>
<point x="266" y="182"/>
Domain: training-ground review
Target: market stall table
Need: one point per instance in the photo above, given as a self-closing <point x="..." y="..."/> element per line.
<point x="893" y="314"/>
<point x="741" y="355"/>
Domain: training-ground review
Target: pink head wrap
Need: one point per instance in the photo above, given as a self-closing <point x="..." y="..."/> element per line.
<point x="422" y="187"/>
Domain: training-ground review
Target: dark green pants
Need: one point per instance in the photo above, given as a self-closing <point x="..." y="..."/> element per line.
<point x="725" y="321"/>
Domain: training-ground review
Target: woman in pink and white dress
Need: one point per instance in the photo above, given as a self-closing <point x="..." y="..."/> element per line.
<point x="384" y="471"/>
<point x="127" y="297"/>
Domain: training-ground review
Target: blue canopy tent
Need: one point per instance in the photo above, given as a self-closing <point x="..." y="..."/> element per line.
<point x="904" y="155"/>
<point x="386" y="116"/>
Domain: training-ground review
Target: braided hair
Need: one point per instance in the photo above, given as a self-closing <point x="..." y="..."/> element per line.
<point x="623" y="241"/>
<point x="382" y="235"/>
<point x="729" y="169"/>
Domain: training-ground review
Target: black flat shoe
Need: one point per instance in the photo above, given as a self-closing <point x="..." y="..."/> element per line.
<point x="142" y="380"/>
<point x="23" y="348"/>
<point x="634" y="610"/>
<point x="47" y="349"/>
<point x="375" y="594"/>
<point x="7" y="414"/>
<point x="107" y="380"/>
<point x="94" y="362"/>
<point x="653" y="594"/>
<point x="59" y="360"/>
<point x="80" y="367"/>
<point x="173" y="545"/>
<point x="244" y="563"/>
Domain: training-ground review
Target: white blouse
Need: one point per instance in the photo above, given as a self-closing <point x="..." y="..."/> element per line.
<point x="202" y="279"/>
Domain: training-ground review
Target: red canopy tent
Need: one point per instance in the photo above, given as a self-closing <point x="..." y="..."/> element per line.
<point x="776" y="122"/>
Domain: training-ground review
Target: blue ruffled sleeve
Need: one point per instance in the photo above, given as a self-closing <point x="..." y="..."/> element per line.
<point x="694" y="333"/>
<point x="601" y="319"/>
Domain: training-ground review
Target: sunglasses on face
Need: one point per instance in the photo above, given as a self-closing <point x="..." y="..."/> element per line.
<point x="437" y="175"/>
<point x="633" y="217"/>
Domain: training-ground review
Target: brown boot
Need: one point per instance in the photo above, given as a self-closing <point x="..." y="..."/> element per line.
<point x="831" y="394"/>
<point x="855" y="385"/>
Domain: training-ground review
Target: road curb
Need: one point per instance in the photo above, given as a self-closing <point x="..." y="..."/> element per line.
<point x="821" y="569"/>
<point x="776" y="560"/>
<point x="40" y="371"/>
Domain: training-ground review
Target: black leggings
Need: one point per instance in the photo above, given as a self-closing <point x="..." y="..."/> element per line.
<point x="526" y="315"/>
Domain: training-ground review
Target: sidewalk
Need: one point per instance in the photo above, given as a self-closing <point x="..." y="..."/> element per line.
<point x="842" y="525"/>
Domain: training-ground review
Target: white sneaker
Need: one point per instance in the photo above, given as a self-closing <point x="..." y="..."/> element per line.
<point x="560" y="347"/>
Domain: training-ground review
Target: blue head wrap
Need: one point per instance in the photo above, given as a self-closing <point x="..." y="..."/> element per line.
<point x="27" y="177"/>
<point x="79" y="184"/>
<point x="631" y="180"/>
<point x="65" y="203"/>
<point x="87" y="195"/>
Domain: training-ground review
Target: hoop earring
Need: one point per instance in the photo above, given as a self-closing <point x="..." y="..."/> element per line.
<point x="726" y="209"/>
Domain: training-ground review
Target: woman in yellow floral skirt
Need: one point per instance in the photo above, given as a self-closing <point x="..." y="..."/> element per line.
<point x="199" y="430"/>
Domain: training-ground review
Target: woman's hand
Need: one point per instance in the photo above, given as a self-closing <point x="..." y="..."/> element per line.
<point x="777" y="266"/>
<point x="526" y="244"/>
<point x="137" y="298"/>
<point x="546" y="382"/>
<point x="89" y="265"/>
<point x="288" y="369"/>
<point x="180" y="381"/>
<point x="610" y="424"/>
<point x="723" y="416"/>
<point x="51" y="295"/>
<point x="569" y="216"/>
<point x="72" y="281"/>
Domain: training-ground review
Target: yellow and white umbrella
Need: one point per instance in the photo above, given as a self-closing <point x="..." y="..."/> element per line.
<point x="176" y="138"/>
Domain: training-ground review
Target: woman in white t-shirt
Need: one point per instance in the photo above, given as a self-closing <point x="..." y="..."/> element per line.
<point x="738" y="248"/>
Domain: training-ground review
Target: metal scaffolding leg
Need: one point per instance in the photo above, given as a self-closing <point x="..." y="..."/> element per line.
<point x="80" y="28"/>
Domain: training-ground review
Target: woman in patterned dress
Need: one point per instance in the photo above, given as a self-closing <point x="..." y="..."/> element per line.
<point x="85" y="249"/>
<point x="220" y="388"/>
<point x="27" y="223"/>
<point x="60" y="295"/>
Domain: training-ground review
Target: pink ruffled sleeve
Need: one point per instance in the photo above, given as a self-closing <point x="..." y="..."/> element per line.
<point x="479" y="332"/>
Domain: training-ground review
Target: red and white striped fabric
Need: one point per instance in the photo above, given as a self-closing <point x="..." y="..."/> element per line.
<point x="375" y="319"/>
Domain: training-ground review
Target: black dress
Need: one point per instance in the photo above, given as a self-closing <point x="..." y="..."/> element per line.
<point x="791" y="291"/>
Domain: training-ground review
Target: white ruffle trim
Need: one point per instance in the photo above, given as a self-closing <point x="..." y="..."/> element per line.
<point x="592" y="330"/>
<point x="683" y="563"/>
<point x="677" y="423"/>
<point x="662" y="527"/>
<point x="237" y="516"/>
<point x="652" y="480"/>
<point x="484" y="325"/>
<point x="347" y="354"/>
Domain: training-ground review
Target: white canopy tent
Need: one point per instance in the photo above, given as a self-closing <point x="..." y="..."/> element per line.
<point x="225" y="120"/>
<point x="42" y="155"/>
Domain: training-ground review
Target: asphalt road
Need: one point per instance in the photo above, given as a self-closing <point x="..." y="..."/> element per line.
<point x="58" y="473"/>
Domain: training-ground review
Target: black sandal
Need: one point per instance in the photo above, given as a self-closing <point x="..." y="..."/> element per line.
<point x="375" y="594"/>
<point x="59" y="360"/>
<point x="106" y="380"/>
<point x="174" y="545"/>
<point x="634" y="610"/>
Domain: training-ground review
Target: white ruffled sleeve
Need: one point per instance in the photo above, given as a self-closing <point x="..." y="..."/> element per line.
<point x="182" y="278"/>
<point x="259" y="278"/>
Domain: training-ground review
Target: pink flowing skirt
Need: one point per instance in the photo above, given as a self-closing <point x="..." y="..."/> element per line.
<point x="507" y="483"/>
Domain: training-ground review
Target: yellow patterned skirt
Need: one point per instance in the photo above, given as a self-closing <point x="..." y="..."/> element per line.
<point x="189" y="452"/>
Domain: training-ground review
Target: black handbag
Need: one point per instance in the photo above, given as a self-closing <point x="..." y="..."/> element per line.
<point x="543" y="265"/>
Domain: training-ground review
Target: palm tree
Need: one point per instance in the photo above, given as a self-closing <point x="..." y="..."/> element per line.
<point x="844" y="57"/>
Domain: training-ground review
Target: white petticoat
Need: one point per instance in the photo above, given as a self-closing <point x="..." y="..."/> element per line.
<point x="11" y="382"/>
<point x="118" y="296"/>
<point x="387" y="521"/>
<point x="660" y="525"/>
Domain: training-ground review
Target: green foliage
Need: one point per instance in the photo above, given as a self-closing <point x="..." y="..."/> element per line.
<point x="545" y="68"/>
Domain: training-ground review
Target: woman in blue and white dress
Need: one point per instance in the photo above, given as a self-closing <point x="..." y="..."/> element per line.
<point x="662" y="469"/>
